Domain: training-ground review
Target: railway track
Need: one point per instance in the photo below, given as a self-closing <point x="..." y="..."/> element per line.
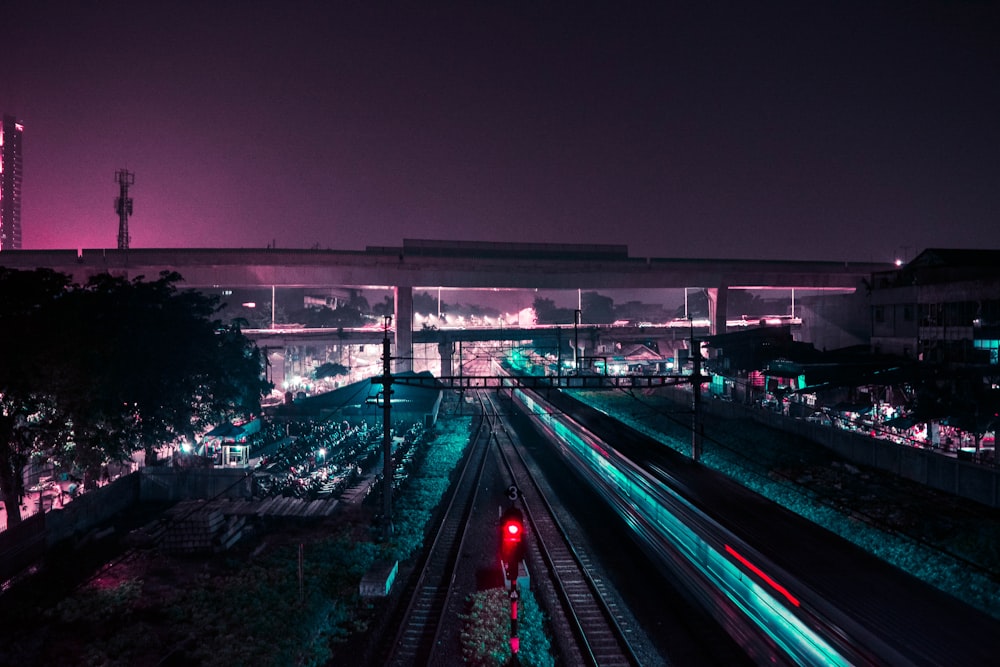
<point x="419" y="639"/>
<point x="599" y="635"/>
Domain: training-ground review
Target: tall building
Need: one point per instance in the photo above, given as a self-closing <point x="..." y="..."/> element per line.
<point x="10" y="183"/>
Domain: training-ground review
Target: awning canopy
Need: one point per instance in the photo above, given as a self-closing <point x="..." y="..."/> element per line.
<point x="226" y="431"/>
<point x="783" y="369"/>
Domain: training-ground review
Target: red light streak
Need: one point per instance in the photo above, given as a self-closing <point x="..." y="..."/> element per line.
<point x="760" y="573"/>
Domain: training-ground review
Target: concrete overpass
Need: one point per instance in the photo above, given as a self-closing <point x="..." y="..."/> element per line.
<point x="452" y="264"/>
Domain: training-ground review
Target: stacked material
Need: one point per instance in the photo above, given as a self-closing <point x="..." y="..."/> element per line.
<point x="194" y="528"/>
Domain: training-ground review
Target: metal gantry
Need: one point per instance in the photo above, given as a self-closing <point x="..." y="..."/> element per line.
<point x="462" y="382"/>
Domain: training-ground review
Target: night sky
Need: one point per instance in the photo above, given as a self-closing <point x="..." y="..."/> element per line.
<point x="787" y="130"/>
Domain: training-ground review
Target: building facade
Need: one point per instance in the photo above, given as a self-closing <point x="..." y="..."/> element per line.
<point x="11" y="132"/>
<point x="944" y="306"/>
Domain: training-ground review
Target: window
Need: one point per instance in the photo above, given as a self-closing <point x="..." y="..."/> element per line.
<point x="993" y="346"/>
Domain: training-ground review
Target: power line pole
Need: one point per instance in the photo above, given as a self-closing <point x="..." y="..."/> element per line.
<point x="123" y="205"/>
<point x="696" y="402"/>
<point x="577" y="319"/>
<point x="387" y="465"/>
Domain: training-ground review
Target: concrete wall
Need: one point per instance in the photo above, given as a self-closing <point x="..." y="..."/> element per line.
<point x="91" y="508"/>
<point x="28" y="542"/>
<point x="21" y="545"/>
<point x="170" y="484"/>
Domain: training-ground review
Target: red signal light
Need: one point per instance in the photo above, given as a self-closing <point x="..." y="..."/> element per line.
<point x="512" y="531"/>
<point x="511" y="545"/>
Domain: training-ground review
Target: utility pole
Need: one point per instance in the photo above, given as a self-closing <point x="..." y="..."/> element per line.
<point x="696" y="388"/>
<point x="387" y="466"/>
<point x="577" y="318"/>
<point x="123" y="206"/>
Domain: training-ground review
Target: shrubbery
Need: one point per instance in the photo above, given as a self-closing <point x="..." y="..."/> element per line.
<point x="414" y="508"/>
<point x="97" y="604"/>
<point x="486" y="631"/>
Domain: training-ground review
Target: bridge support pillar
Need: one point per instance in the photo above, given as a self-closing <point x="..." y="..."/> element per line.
<point x="718" y="299"/>
<point x="446" y="349"/>
<point x="404" y="329"/>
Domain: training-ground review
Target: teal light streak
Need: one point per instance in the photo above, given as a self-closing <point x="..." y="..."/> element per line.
<point x="788" y="631"/>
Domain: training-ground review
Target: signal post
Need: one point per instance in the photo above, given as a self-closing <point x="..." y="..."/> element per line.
<point x="515" y="573"/>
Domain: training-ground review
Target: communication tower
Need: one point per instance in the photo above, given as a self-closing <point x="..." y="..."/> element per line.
<point x="123" y="205"/>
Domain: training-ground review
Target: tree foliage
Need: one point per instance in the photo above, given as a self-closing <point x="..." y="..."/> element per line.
<point x="27" y="411"/>
<point x="486" y="630"/>
<point x="424" y="302"/>
<point x="330" y="370"/>
<point x="597" y="309"/>
<point x="415" y="505"/>
<point x="547" y="312"/>
<point x="113" y="366"/>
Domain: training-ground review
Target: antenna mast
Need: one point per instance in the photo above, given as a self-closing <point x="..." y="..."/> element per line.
<point x="123" y="205"/>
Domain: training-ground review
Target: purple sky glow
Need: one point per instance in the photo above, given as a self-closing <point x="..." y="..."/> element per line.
<point x="849" y="130"/>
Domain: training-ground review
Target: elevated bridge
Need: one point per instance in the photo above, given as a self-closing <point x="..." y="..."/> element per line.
<point x="450" y="264"/>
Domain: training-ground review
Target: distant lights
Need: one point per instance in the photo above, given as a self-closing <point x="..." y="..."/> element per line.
<point x="899" y="262"/>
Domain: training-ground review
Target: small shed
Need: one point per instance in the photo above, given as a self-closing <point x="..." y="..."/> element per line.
<point x="232" y="440"/>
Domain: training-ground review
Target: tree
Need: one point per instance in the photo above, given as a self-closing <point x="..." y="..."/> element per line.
<point x="152" y="365"/>
<point x="697" y="305"/>
<point x="597" y="309"/>
<point x="26" y="409"/>
<point x="386" y="308"/>
<point x="250" y="316"/>
<point x="546" y="312"/>
<point x="112" y="367"/>
<point x="426" y="303"/>
<point x="330" y="370"/>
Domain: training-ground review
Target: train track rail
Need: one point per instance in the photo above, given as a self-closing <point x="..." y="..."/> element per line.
<point x="419" y="637"/>
<point x="584" y="609"/>
<point x="580" y="610"/>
